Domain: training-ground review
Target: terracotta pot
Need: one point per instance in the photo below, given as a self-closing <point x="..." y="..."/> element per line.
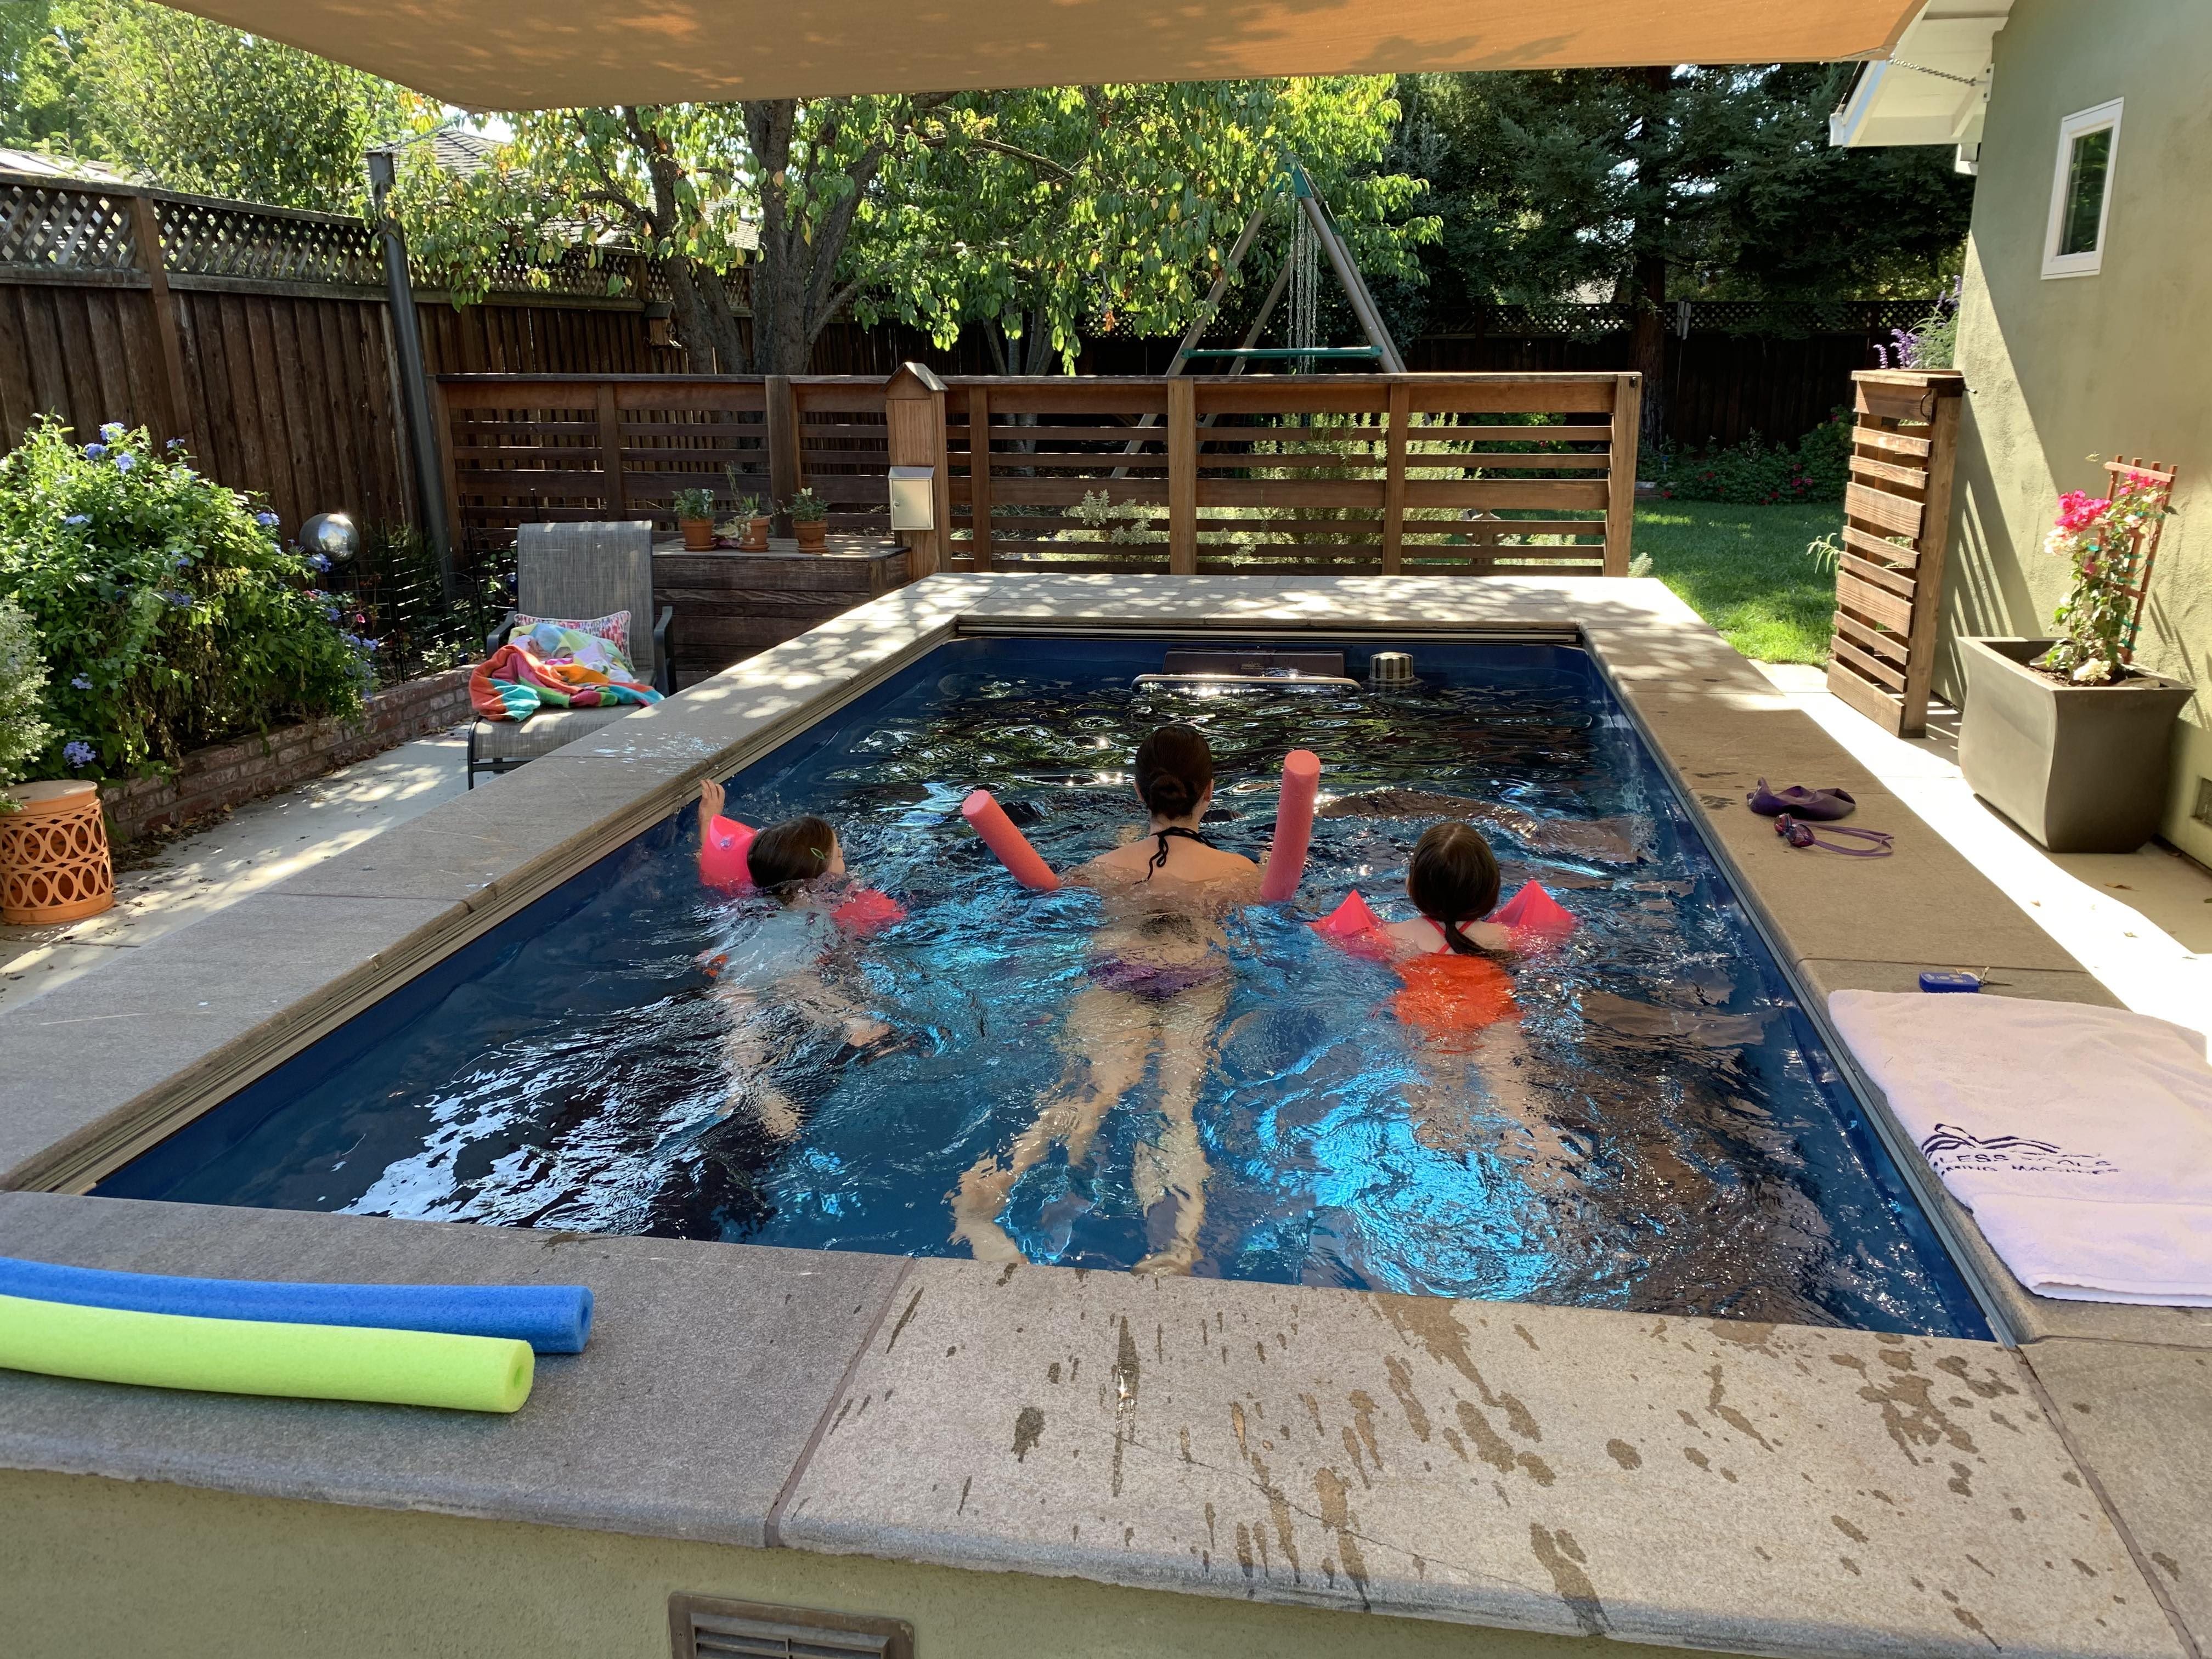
<point x="813" y="534"/>
<point x="756" y="537"/>
<point x="698" y="534"/>
<point x="54" y="855"/>
<point x="2081" y="768"/>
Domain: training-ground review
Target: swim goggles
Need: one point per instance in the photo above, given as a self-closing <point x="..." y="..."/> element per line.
<point x="1801" y="835"/>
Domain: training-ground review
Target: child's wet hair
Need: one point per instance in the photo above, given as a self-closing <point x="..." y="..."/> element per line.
<point x="1175" y="768"/>
<point x="785" y="855"/>
<point x="1453" y="880"/>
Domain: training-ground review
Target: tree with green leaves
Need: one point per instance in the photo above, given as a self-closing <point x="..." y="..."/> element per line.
<point x="1648" y="185"/>
<point x="1049" y="214"/>
<point x="193" y="105"/>
<point x="1045" y="214"/>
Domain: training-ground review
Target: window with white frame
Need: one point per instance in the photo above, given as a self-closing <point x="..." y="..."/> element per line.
<point x="2081" y="192"/>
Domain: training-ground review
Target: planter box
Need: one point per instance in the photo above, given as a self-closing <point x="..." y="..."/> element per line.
<point x="2081" y="768"/>
<point x="246" y="769"/>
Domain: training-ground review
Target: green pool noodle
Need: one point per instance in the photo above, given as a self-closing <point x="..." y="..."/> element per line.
<point x="249" y="1356"/>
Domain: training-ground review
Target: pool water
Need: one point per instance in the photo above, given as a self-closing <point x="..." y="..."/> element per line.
<point x="1664" y="1131"/>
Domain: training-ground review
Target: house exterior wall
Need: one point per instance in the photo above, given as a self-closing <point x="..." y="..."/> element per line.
<point x="2118" y="363"/>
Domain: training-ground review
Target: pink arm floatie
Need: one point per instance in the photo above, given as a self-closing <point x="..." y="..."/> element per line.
<point x="722" y="866"/>
<point x="1294" y="815"/>
<point x="1533" y="910"/>
<point x="997" y="832"/>
<point x="722" y="856"/>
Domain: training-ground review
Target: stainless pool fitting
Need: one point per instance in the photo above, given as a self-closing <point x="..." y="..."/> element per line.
<point x="1390" y="668"/>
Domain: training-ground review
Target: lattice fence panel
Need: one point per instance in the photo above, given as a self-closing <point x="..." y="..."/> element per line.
<point x="209" y="239"/>
<point x="51" y="227"/>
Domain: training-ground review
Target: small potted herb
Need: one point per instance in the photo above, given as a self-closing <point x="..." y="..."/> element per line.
<point x="695" y="517"/>
<point x="810" y="521"/>
<point x="750" y="523"/>
<point x="2064" y="736"/>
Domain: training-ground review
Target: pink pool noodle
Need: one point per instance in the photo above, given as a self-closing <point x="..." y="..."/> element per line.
<point x="722" y="856"/>
<point x="1294" y="813"/>
<point x="990" y="821"/>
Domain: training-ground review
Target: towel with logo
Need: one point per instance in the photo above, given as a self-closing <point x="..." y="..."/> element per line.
<point x="2080" y="1138"/>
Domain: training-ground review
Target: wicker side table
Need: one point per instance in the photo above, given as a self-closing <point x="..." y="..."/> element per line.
<point x="54" y="865"/>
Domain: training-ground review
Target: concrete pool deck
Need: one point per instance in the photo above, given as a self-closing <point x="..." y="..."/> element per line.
<point x="1696" y="1484"/>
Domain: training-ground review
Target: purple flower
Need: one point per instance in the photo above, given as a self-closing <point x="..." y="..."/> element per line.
<point x="181" y="600"/>
<point x="331" y="611"/>
<point x="94" y="452"/>
<point x="318" y="560"/>
<point x="78" y="753"/>
<point x="174" y="445"/>
<point x="111" y="431"/>
<point x="76" y="519"/>
<point x="372" y="645"/>
<point x="124" y="462"/>
<point x="266" y="521"/>
<point x="81" y="682"/>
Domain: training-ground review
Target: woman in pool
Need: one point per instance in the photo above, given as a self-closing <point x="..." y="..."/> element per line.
<point x="782" y="982"/>
<point x="1159" y="984"/>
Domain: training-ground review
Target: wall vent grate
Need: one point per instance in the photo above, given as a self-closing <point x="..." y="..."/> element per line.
<point x="703" y="1628"/>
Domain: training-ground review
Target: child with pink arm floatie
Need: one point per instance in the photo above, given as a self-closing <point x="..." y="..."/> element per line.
<point x="792" y="959"/>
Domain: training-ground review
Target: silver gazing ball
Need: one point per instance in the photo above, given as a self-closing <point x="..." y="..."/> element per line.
<point x="334" y="535"/>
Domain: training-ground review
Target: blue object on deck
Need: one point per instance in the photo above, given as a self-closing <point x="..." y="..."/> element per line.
<point x="551" y="1318"/>
<point x="1933" y="981"/>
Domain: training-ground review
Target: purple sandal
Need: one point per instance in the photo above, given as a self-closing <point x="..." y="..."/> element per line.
<point x="1822" y="805"/>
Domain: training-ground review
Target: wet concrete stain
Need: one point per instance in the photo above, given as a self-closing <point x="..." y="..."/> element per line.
<point x="1991" y="1386"/>
<point x="1962" y="1481"/>
<point x="899" y="1328"/>
<point x="1401" y="1384"/>
<point x="1728" y="1414"/>
<point x="1490" y="1446"/>
<point x="1910" y="1414"/>
<point x="1624" y="1453"/>
<point x="1564" y="1560"/>
<point x="1336" y="1515"/>
<point x="1362" y="1417"/>
<point x="1125" y="1376"/>
<point x="1029" y="1429"/>
<point x="1975" y="1625"/>
<point x="1847" y="1529"/>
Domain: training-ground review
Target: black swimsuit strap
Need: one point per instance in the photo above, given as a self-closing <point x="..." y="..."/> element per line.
<point x="1159" y="860"/>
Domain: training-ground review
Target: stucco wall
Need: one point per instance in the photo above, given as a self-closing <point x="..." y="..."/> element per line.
<point x="109" y="1566"/>
<point x="2118" y="364"/>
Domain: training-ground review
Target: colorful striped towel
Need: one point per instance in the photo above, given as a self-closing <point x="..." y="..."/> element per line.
<point x="555" y="667"/>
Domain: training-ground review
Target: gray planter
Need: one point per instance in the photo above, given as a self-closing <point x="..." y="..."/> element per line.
<point x="2081" y="768"/>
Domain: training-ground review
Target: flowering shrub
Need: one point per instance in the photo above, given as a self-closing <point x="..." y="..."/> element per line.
<point x="169" y="614"/>
<point x="2099" y="537"/>
<point x="1750" y="474"/>
<point x="22" y="677"/>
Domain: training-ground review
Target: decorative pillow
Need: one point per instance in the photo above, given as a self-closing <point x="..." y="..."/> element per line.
<point x="613" y="627"/>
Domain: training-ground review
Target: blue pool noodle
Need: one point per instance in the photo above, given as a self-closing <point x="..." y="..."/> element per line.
<point x="551" y="1318"/>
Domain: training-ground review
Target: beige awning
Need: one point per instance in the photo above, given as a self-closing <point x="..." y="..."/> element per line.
<point x="542" y="54"/>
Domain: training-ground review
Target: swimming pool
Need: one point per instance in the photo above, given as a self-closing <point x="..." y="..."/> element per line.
<point x="1675" y="1139"/>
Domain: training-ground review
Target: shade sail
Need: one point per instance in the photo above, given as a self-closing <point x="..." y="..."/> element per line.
<point x="544" y="54"/>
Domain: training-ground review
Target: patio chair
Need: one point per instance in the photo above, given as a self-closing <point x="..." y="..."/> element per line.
<point x="572" y="571"/>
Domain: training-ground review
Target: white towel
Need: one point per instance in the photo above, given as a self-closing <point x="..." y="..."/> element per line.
<point x="2080" y="1138"/>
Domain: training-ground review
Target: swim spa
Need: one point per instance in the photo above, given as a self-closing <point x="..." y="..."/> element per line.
<point x="1665" y="1134"/>
<point x="987" y="1452"/>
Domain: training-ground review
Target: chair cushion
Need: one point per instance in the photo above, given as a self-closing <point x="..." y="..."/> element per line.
<point x="542" y="732"/>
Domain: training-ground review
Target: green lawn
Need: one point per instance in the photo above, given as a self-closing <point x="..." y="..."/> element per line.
<point x="1744" y="569"/>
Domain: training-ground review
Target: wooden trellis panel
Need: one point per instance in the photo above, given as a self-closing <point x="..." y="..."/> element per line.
<point x="1897" y="516"/>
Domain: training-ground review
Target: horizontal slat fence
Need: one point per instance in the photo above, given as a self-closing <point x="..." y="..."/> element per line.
<point x="1889" y="572"/>
<point x="1461" y="474"/>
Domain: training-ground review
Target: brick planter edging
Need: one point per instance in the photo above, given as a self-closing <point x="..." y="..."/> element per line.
<point x="231" y="773"/>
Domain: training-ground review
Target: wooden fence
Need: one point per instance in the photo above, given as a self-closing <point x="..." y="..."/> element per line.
<point x="1458" y="473"/>
<point x="262" y="336"/>
<point x="1897" y="515"/>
